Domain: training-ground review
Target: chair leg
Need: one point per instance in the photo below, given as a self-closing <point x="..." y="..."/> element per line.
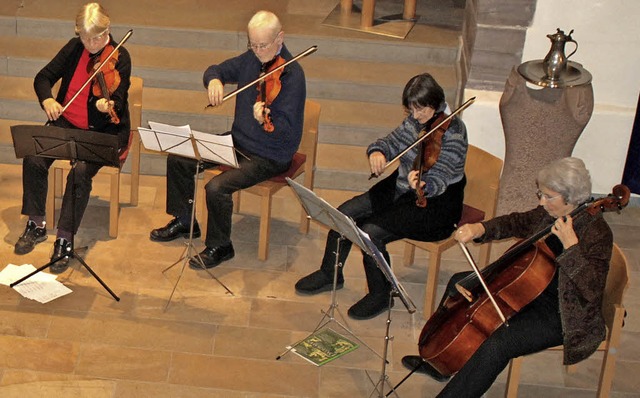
<point x="513" y="378"/>
<point x="432" y="283"/>
<point x="609" y="360"/>
<point x="409" y="254"/>
<point x="265" y="225"/>
<point x="54" y="190"/>
<point x="114" y="205"/>
<point x="304" y="222"/>
<point x="135" y="169"/>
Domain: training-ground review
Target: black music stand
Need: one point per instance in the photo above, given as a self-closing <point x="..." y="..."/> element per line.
<point x="182" y="141"/>
<point x="321" y="211"/>
<point x="66" y="144"/>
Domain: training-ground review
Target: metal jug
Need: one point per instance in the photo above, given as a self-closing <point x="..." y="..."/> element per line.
<point x="555" y="63"/>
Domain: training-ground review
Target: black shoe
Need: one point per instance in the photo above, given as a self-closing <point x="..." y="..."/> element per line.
<point x="412" y="362"/>
<point x="318" y="282"/>
<point x="32" y="235"/>
<point x="370" y="306"/>
<point x="174" y="230"/>
<point x="212" y="257"/>
<point x="61" y="250"/>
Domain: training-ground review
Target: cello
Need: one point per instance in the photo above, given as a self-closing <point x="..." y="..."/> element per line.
<point x="465" y="319"/>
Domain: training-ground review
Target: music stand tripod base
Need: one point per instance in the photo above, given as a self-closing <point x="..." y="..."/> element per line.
<point x="190" y="251"/>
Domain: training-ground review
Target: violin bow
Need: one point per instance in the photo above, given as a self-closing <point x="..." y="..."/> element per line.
<point x="420" y="139"/>
<point x="237" y="91"/>
<point x="95" y="72"/>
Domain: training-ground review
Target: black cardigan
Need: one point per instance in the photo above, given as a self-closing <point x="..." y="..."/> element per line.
<point x="63" y="65"/>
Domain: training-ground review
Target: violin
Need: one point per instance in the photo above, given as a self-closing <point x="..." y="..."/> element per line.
<point x="466" y="318"/>
<point x="428" y="153"/>
<point x="266" y="75"/>
<point x="426" y="135"/>
<point x="107" y="78"/>
<point x="269" y="88"/>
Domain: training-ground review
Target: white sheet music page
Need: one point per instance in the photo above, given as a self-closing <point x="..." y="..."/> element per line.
<point x="167" y="138"/>
<point x="42" y="287"/>
<point x="216" y="148"/>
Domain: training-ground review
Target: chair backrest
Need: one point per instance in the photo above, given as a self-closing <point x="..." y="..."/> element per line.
<point x="309" y="142"/>
<point x="617" y="283"/>
<point x="135" y="115"/>
<point x="135" y="102"/>
<point x="483" y="180"/>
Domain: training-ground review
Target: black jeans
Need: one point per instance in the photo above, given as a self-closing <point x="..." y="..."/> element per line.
<point x="181" y="185"/>
<point x="535" y="328"/>
<point x="35" y="172"/>
<point x="387" y="217"/>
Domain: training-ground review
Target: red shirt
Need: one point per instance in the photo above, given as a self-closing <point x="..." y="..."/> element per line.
<point x="77" y="112"/>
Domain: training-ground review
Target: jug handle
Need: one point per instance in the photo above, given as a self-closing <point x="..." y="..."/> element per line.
<point x="575" y="49"/>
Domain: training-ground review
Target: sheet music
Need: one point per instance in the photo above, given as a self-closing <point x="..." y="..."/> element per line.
<point x="42" y="287"/>
<point x="217" y="148"/>
<point x="180" y="140"/>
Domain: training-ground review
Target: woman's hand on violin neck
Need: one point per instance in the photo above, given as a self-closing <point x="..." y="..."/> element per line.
<point x="413" y="178"/>
<point x="259" y="111"/>
<point x="377" y="162"/>
<point x="52" y="108"/>
<point x="215" y="91"/>
<point x="103" y="105"/>
<point x="469" y="232"/>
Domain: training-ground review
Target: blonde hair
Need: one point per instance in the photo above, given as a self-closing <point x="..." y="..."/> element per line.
<point x="265" y="20"/>
<point x="92" y="19"/>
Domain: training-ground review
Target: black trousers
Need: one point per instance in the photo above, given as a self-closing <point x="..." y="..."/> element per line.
<point x="386" y="217"/>
<point x="535" y="328"/>
<point x="35" y="172"/>
<point x="181" y="185"/>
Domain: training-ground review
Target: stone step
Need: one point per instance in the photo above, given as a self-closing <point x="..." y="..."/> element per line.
<point x="177" y="68"/>
<point x="357" y="77"/>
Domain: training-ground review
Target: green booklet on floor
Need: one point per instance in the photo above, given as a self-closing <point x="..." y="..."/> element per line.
<point x="323" y="346"/>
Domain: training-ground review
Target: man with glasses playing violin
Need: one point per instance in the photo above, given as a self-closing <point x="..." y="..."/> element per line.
<point x="72" y="65"/>
<point x="264" y="154"/>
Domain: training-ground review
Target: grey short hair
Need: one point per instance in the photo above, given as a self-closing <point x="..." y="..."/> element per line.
<point x="569" y="177"/>
<point x="265" y="20"/>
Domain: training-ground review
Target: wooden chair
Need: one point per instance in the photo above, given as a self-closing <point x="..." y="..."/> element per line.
<point x="56" y="173"/>
<point x="613" y="312"/>
<point x="480" y="198"/>
<point x="304" y="161"/>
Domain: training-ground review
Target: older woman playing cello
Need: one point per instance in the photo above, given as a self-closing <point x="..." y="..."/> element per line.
<point x="568" y="311"/>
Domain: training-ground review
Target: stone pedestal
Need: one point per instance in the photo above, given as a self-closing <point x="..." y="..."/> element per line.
<point x="540" y="125"/>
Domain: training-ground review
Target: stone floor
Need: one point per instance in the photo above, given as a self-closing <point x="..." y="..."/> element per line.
<point x="205" y="342"/>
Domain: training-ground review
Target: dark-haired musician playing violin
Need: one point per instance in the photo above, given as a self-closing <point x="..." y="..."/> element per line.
<point x="388" y="211"/>
<point x="267" y="153"/>
<point x="87" y="112"/>
<point x="568" y="311"/>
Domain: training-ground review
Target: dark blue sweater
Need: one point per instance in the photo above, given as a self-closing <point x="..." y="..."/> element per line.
<point x="287" y="110"/>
